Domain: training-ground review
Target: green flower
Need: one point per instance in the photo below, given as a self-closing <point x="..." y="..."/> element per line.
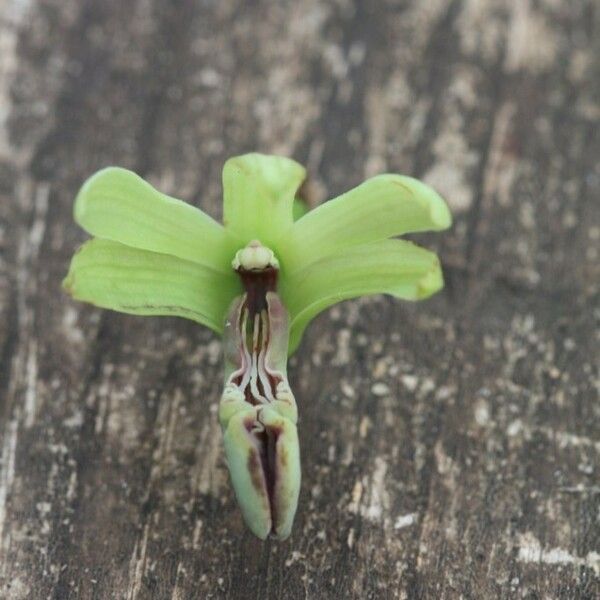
<point x="258" y="280"/>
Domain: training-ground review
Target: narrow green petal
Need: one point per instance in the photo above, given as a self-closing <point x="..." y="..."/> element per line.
<point x="381" y="207"/>
<point x="140" y="282"/>
<point x="258" y="195"/>
<point x="118" y="205"/>
<point x="395" y="267"/>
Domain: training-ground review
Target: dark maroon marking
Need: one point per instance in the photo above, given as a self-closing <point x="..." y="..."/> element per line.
<point x="256" y="471"/>
<point x="273" y="381"/>
<point x="257" y="284"/>
<point x="249" y="397"/>
<point x="267" y="441"/>
<point x="262" y="463"/>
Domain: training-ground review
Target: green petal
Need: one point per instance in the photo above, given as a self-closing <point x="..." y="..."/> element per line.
<point x="140" y="282"/>
<point x="381" y="207"/>
<point x="258" y="195"/>
<point x="118" y="205"/>
<point x="395" y="267"/>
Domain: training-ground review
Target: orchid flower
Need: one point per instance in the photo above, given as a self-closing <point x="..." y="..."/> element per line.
<point x="257" y="280"/>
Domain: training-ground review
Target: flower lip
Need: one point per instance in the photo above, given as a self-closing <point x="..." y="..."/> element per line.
<point x="258" y="411"/>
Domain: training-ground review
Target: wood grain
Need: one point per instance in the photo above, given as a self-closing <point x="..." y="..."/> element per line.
<point x="450" y="448"/>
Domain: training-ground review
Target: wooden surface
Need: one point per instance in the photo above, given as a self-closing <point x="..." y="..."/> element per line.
<point x="451" y="448"/>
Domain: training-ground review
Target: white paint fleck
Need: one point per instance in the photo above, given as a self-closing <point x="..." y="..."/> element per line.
<point x="378" y="498"/>
<point x="566" y="439"/>
<point x="13" y="13"/>
<point x="427" y="386"/>
<point x="531" y="43"/>
<point x="335" y="60"/>
<point x="38" y="227"/>
<point x="43" y="508"/>
<point x="482" y="413"/>
<point x="72" y="487"/>
<point x="331" y="453"/>
<point x="514" y="428"/>
<point x="207" y="478"/>
<point x="531" y="551"/>
<point x="197" y="534"/>
<point x="347" y="389"/>
<point x="7" y="475"/>
<point x="501" y="168"/>
<point x="348" y="455"/>
<point x="445" y="464"/>
<point x="19" y="589"/>
<point x="377" y="128"/>
<point x="28" y="252"/>
<point x="410" y="382"/>
<point x="342" y="356"/>
<point x="356" y="496"/>
<point x="75" y="421"/>
<point x="363" y="428"/>
<point x="72" y="332"/>
<point x="380" y="389"/>
<point x="31" y="374"/>
<point x="295" y="557"/>
<point x="444" y="392"/>
<point x="481" y="29"/>
<point x="214" y="352"/>
<point x="137" y="565"/>
<point x="446" y="178"/>
<point x="209" y="78"/>
<point x="406" y="520"/>
<point x="350" y="539"/>
<point x="580" y="489"/>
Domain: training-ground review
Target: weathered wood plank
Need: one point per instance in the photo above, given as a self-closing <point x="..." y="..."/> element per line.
<point x="450" y="449"/>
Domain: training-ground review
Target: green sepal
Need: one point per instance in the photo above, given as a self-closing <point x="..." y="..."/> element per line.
<point x="258" y="196"/>
<point x="118" y="205"/>
<point x="395" y="267"/>
<point x="134" y="281"/>
<point x="381" y="207"/>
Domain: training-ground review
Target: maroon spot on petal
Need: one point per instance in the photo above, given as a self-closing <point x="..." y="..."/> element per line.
<point x="282" y="455"/>
<point x="256" y="471"/>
